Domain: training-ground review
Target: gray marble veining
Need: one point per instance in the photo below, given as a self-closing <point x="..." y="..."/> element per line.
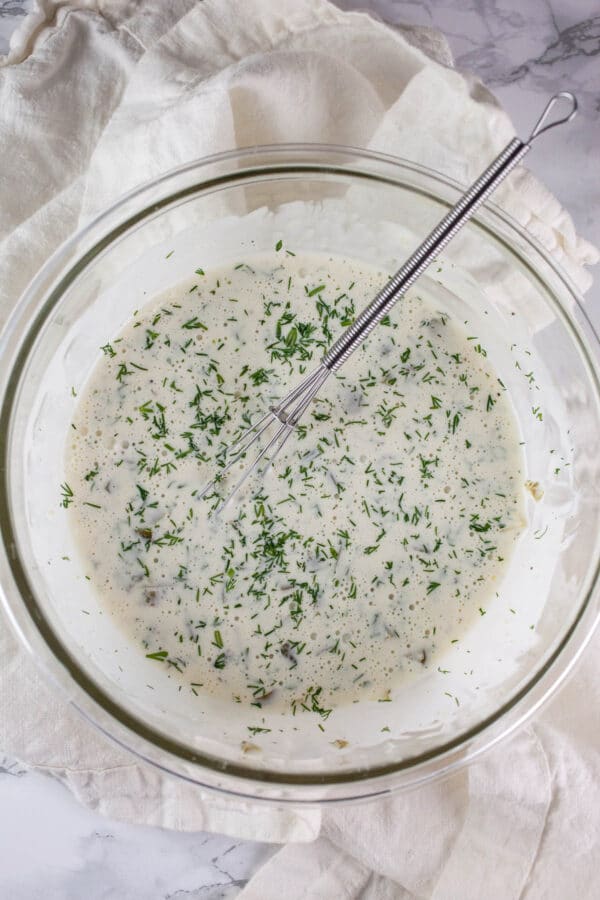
<point x="10" y="13"/>
<point x="50" y="847"/>
<point x="524" y="51"/>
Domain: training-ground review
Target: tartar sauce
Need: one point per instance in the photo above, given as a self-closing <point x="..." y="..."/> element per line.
<point x="380" y="533"/>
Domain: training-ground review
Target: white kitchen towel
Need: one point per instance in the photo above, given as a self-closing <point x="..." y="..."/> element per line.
<point x="99" y="96"/>
<point x="521" y="823"/>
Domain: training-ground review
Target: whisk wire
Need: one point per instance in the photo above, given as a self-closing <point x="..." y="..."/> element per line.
<point x="255" y="465"/>
<point x="301" y="396"/>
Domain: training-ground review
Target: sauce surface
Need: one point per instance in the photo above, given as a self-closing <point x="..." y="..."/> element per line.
<point x="383" y="529"/>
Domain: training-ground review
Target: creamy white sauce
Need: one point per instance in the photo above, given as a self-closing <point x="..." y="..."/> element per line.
<point x="381" y="532"/>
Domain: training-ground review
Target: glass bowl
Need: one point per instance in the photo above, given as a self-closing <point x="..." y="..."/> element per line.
<point x="346" y="202"/>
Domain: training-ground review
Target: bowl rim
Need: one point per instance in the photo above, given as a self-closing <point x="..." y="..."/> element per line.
<point x="25" y="614"/>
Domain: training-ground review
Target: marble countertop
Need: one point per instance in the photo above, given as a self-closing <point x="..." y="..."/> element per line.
<point x="51" y="848"/>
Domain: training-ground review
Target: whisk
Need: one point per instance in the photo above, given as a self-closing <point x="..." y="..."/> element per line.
<point x="285" y="415"/>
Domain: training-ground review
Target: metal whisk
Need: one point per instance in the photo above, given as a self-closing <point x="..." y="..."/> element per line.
<point x="286" y="414"/>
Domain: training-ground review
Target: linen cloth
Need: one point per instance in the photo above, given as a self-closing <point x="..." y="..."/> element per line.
<point x="99" y="96"/>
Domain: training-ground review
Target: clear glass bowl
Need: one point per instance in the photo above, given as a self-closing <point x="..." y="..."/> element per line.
<point x="347" y="202"/>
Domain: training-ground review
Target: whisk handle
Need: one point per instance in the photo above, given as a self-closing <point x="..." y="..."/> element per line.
<point x="424" y="255"/>
<point x="435" y="242"/>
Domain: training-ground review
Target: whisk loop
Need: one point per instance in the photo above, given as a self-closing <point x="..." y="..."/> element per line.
<point x="285" y="415"/>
